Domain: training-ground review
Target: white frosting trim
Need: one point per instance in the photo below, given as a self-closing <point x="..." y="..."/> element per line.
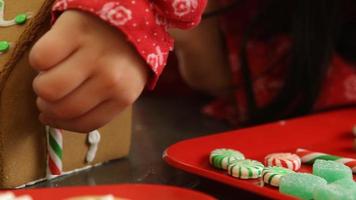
<point x="63" y="174"/>
<point x="93" y="140"/>
<point x="6" y="23"/>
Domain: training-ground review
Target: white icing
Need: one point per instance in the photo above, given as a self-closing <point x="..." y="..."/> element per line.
<point x="7" y="196"/>
<point x="107" y="197"/>
<point x="23" y="197"/>
<point x="11" y="196"/>
<point x="6" y="23"/>
<point x="93" y="140"/>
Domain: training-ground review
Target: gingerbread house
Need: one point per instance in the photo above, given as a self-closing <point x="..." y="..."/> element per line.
<point x="30" y="151"/>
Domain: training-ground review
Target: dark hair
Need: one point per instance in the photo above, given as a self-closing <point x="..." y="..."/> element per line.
<point x="317" y="31"/>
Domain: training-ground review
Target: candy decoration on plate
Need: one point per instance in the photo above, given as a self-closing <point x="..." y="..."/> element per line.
<point x="300" y="185"/>
<point x="309" y="157"/>
<point x="245" y="169"/>
<point x="286" y="160"/>
<point x="221" y="158"/>
<point x="340" y="189"/>
<point x="273" y="175"/>
<point x="331" y="171"/>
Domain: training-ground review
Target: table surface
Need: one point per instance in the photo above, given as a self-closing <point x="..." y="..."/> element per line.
<point x="158" y="122"/>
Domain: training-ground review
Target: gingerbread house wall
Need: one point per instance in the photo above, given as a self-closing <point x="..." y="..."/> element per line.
<point x="23" y="139"/>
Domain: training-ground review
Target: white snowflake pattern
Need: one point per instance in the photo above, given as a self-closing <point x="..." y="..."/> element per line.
<point x="115" y="13"/>
<point x="161" y="21"/>
<point x="350" y="87"/>
<point x="184" y="7"/>
<point x="155" y="59"/>
<point x="61" y="5"/>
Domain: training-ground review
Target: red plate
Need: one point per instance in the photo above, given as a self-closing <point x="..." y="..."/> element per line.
<point x="325" y="132"/>
<point x="126" y="191"/>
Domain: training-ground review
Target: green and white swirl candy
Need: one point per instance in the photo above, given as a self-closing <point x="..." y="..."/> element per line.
<point x="273" y="175"/>
<point x="245" y="169"/>
<point x="220" y="158"/>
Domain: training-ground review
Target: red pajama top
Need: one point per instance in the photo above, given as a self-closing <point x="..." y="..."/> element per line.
<point x="144" y="22"/>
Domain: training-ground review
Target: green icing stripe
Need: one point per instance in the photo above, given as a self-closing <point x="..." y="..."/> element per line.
<point x="270" y="178"/>
<point x="217" y="160"/>
<point x="231" y="169"/>
<point x="240" y="172"/>
<point x="264" y="174"/>
<point x="250" y="173"/>
<point x="55" y="146"/>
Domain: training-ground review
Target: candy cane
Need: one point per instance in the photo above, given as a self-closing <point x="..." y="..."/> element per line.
<point x="309" y="157"/>
<point x="54" y="151"/>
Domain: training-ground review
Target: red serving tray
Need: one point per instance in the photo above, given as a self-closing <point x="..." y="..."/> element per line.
<point x="329" y="132"/>
<point x="125" y="191"/>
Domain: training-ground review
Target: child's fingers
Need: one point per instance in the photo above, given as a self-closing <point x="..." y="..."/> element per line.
<point x="61" y="80"/>
<point x="89" y="95"/>
<point x="95" y="119"/>
<point x="57" y="44"/>
<point x="54" y="47"/>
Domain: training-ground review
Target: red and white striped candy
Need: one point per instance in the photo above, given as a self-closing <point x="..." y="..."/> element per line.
<point x="286" y="160"/>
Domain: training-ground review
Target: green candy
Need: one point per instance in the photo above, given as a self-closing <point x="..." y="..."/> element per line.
<point x="331" y="171"/>
<point x="4" y="46"/>
<point x="221" y="158"/>
<point x="21" y="19"/>
<point x="343" y="189"/>
<point x="300" y="185"/>
<point x="245" y="169"/>
<point x="273" y="175"/>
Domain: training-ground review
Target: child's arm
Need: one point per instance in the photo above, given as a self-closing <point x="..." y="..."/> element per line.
<point x="91" y="71"/>
<point x="203" y="59"/>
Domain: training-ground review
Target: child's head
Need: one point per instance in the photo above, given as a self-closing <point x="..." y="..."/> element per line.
<point x="318" y="28"/>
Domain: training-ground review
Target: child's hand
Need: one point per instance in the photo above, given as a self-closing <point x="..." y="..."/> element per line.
<point x="88" y="73"/>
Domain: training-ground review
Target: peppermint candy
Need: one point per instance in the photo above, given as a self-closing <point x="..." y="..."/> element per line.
<point x="286" y="160"/>
<point x="221" y="158"/>
<point x="245" y="169"/>
<point x="273" y="175"/>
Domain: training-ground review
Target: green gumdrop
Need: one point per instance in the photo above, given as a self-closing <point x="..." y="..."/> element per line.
<point x="21" y="19"/>
<point x="331" y="171"/>
<point x="346" y="183"/>
<point x="4" y="46"/>
<point x="342" y="189"/>
<point x="300" y="184"/>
